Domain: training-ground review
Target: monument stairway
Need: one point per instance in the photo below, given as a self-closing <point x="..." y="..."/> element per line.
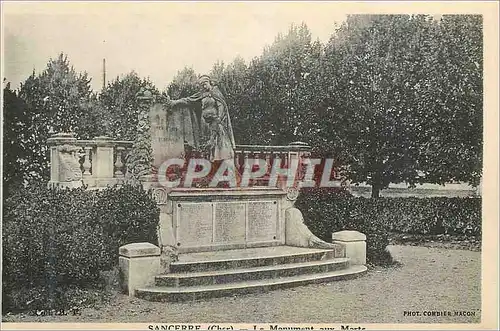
<point x="205" y="275"/>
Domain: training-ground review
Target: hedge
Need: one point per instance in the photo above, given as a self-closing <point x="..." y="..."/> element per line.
<point x="63" y="239"/>
<point x="126" y="214"/>
<point x="327" y="211"/>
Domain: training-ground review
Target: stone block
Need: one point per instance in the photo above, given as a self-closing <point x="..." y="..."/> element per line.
<point x="103" y="162"/>
<point x="166" y="230"/>
<point x="354" y="243"/>
<point x="348" y="236"/>
<point x="262" y="220"/>
<point x="139" y="263"/>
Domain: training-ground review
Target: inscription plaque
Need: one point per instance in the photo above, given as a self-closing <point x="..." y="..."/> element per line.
<point x="229" y="222"/>
<point x="262" y="221"/>
<point x="194" y="224"/>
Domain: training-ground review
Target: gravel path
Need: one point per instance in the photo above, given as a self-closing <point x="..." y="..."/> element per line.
<point x="430" y="279"/>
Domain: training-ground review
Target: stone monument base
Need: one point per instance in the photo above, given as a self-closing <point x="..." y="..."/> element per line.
<point x="218" y="242"/>
<point x="198" y="220"/>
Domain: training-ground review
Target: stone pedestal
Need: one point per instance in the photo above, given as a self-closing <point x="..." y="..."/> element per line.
<point x="139" y="263"/>
<point x="64" y="161"/>
<point x="103" y="161"/>
<point x="197" y="220"/>
<point x="354" y="243"/>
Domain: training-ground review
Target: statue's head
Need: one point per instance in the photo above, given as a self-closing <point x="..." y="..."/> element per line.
<point x="205" y="82"/>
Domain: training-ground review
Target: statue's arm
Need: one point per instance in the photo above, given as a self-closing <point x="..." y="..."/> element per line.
<point x="177" y="102"/>
<point x="182" y="101"/>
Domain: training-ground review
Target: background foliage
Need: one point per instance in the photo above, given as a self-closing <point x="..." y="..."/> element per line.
<point x="56" y="100"/>
<point x="120" y="108"/>
<point x="325" y="212"/>
<point x="396" y="98"/>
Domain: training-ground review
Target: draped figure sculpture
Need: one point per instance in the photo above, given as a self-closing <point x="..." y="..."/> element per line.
<point x="214" y="131"/>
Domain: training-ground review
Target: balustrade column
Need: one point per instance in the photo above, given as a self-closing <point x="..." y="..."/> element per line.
<point x="268" y="162"/>
<point x="245" y="159"/>
<point x="89" y="157"/>
<point x="298" y="156"/>
<point x="119" y="163"/>
<point x="237" y="162"/>
<point x="86" y="162"/>
<point x="256" y="157"/>
<point x="54" y="160"/>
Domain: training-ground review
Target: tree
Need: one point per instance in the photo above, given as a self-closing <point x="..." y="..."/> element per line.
<point x="452" y="147"/>
<point x="373" y="70"/>
<point x="120" y="108"/>
<point x="233" y="83"/>
<point x="217" y="72"/>
<point x="57" y="100"/>
<point x="185" y="83"/>
<point x="271" y="97"/>
<point x="381" y="112"/>
<point x="15" y="156"/>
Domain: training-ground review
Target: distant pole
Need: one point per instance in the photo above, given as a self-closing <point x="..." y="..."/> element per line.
<point x="103" y="74"/>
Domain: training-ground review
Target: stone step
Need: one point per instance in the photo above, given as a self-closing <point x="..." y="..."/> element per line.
<point x="248" y="258"/>
<point x="175" y="294"/>
<point x="248" y="274"/>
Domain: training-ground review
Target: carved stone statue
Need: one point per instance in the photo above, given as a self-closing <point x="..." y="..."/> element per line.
<point x="214" y="130"/>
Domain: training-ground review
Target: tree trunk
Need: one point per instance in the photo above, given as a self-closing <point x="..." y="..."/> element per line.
<point x="375" y="190"/>
<point x="377" y="181"/>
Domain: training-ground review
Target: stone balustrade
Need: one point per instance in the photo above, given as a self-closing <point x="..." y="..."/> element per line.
<point x="285" y="154"/>
<point x="101" y="162"/>
<point x="270" y="153"/>
<point x="94" y="163"/>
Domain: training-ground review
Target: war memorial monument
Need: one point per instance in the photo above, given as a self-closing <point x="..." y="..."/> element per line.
<point x="227" y="224"/>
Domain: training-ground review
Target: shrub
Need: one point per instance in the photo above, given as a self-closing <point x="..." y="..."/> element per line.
<point x="327" y="211"/>
<point x="41" y="299"/>
<point x="55" y="241"/>
<point x="127" y="214"/>
<point x="48" y="241"/>
<point x="48" y="237"/>
<point x="427" y="216"/>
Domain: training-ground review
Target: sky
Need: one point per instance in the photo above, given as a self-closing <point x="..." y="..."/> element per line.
<point x="154" y="39"/>
<point x="157" y="39"/>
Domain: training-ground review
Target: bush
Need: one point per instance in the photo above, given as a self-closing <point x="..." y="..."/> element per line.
<point x="48" y="237"/>
<point x="57" y="240"/>
<point x="327" y="211"/>
<point x="127" y="214"/>
<point x="42" y="300"/>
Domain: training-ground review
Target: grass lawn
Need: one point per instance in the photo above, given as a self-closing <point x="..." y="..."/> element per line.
<point x="429" y="279"/>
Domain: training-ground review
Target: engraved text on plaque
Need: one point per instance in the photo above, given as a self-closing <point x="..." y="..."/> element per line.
<point x="229" y="222"/>
<point x="195" y="224"/>
<point x="262" y="221"/>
